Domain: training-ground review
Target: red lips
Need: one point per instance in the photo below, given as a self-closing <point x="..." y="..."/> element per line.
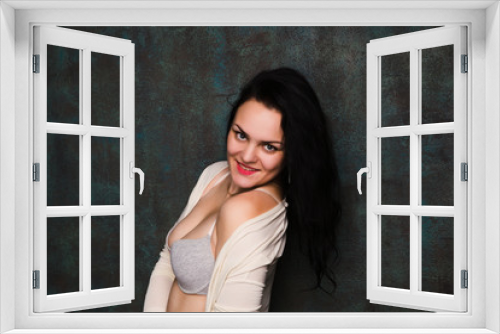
<point x="244" y="169"/>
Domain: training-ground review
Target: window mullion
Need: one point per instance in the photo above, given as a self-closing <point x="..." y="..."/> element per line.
<point x="414" y="172"/>
<point x="122" y="179"/>
<point x="376" y="172"/>
<point x="86" y="166"/>
<point x="81" y="103"/>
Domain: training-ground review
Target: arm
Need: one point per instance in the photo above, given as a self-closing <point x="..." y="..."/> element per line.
<point x="243" y="292"/>
<point x="160" y="284"/>
<point x="244" y="288"/>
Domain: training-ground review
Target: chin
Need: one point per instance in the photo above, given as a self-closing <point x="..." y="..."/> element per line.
<point x="242" y="181"/>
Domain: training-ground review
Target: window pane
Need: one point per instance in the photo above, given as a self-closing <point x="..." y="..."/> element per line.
<point x="105" y="171"/>
<point x="437" y="170"/>
<point x="63" y="255"/>
<point x="437" y="254"/>
<point x="395" y="94"/>
<point x="395" y="171"/>
<point x="395" y="233"/>
<point x="63" y="85"/>
<point x="437" y="84"/>
<point x="105" y="252"/>
<point x="105" y="89"/>
<point x="63" y="170"/>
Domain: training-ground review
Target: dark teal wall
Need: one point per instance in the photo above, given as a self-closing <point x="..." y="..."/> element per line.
<point x="185" y="79"/>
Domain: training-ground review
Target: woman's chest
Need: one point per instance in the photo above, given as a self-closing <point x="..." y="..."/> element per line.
<point x="201" y="219"/>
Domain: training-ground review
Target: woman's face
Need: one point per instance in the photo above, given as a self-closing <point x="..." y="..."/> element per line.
<point x="255" y="145"/>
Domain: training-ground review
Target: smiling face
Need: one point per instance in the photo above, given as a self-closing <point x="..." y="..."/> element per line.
<point x="255" y="146"/>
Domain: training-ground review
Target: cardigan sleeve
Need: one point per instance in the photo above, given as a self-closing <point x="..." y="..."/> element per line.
<point x="243" y="292"/>
<point x="160" y="284"/>
<point x="244" y="269"/>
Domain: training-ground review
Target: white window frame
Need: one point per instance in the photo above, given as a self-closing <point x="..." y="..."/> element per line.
<point x="413" y="44"/>
<point x="86" y="44"/>
<point x="16" y="125"/>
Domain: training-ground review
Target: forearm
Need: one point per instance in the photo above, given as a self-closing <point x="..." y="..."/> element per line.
<point x="242" y="293"/>
<point x="160" y="285"/>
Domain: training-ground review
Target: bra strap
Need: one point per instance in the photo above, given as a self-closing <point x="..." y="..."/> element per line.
<point x="221" y="178"/>
<point x="269" y="193"/>
<point x="212" y="229"/>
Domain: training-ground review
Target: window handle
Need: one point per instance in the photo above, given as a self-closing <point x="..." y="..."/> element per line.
<point x="368" y="171"/>
<point x="141" y="175"/>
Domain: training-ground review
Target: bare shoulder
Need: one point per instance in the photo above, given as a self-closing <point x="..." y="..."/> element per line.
<point x="242" y="207"/>
<point x="249" y="204"/>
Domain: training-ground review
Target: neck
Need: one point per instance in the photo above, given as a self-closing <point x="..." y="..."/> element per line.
<point x="233" y="189"/>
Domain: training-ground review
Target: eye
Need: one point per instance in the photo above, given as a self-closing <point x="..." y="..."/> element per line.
<point x="270" y="148"/>
<point x="240" y="135"/>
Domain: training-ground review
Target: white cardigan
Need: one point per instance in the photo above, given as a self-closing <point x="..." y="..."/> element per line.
<point x="244" y="268"/>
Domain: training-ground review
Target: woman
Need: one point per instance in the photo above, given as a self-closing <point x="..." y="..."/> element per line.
<point x="221" y="253"/>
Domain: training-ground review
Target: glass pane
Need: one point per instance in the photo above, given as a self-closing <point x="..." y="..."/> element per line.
<point x="63" y="255"/>
<point x="63" y="85"/>
<point x="395" y="251"/>
<point x="437" y="254"/>
<point x="437" y="170"/>
<point x="395" y="94"/>
<point x="395" y="171"/>
<point x="105" y="171"/>
<point x="63" y="170"/>
<point x="105" y="252"/>
<point x="437" y="84"/>
<point x="105" y="90"/>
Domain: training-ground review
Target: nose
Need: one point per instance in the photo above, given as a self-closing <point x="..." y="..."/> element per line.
<point x="249" y="154"/>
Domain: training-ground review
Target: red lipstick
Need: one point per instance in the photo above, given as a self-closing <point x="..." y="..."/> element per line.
<point x="244" y="169"/>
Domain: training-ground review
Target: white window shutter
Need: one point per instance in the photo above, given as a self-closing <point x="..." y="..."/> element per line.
<point x="84" y="297"/>
<point x="414" y="297"/>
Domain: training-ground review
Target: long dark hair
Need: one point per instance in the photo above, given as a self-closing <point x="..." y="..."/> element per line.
<point x="310" y="177"/>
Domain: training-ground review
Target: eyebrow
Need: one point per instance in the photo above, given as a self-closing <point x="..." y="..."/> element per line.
<point x="265" y="141"/>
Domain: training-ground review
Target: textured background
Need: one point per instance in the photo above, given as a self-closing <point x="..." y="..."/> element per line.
<point x="185" y="79"/>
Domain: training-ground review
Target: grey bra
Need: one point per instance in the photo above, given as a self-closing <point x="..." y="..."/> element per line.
<point x="193" y="263"/>
<point x="192" y="259"/>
